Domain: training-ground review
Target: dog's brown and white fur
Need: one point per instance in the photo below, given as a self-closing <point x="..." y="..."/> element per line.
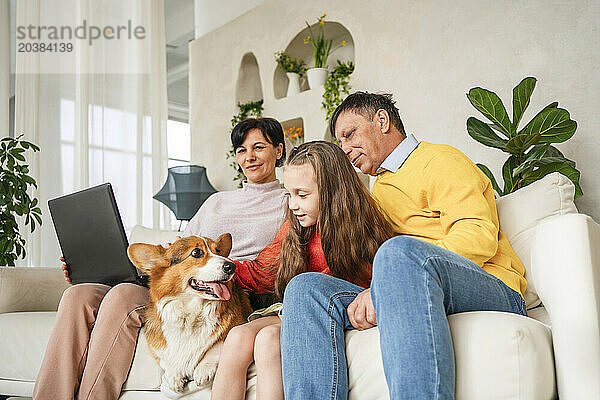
<point x="193" y="304"/>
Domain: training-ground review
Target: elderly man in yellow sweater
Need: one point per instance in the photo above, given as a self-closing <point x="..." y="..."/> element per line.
<point x="449" y="257"/>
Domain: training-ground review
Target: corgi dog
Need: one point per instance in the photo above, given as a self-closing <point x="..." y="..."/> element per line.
<point x="193" y="305"/>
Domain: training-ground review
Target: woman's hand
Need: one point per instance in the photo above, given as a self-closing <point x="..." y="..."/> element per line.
<point x="65" y="270"/>
<point x="361" y="312"/>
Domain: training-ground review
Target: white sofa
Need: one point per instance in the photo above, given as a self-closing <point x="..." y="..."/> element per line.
<point x="553" y="352"/>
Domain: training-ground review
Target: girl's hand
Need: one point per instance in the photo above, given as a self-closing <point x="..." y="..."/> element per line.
<point x="361" y="312"/>
<point x="65" y="270"/>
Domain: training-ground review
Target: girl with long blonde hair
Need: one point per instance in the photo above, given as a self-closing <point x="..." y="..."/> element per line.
<point x="333" y="226"/>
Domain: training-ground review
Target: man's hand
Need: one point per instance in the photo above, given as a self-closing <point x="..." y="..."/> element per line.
<point x="361" y="312"/>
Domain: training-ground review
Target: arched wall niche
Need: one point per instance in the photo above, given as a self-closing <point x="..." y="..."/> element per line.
<point x="248" y="87"/>
<point x="298" y="49"/>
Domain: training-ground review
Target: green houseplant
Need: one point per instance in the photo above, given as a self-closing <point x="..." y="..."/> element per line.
<point x="294" y="68"/>
<point x="14" y="199"/>
<point x="337" y="87"/>
<point x="321" y="48"/>
<point x="531" y="153"/>
<point x="289" y="64"/>
<point x="252" y="109"/>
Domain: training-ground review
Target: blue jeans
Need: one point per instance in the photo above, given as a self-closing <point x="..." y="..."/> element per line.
<point x="415" y="285"/>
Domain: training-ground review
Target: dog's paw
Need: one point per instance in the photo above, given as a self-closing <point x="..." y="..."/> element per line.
<point x="175" y="382"/>
<point x="205" y="373"/>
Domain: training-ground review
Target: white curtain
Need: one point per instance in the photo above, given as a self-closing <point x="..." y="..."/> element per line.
<point x="97" y="112"/>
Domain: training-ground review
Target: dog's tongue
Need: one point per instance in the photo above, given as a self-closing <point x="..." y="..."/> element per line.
<point x="220" y="290"/>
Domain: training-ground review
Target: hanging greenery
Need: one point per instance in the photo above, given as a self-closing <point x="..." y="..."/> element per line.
<point x="14" y="199"/>
<point x="252" y="109"/>
<point x="532" y="155"/>
<point x="337" y="87"/>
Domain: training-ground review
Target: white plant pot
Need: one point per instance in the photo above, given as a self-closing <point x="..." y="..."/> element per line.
<point x="294" y="84"/>
<point x="316" y="77"/>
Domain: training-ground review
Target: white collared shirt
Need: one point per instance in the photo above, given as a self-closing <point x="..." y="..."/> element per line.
<point x="394" y="161"/>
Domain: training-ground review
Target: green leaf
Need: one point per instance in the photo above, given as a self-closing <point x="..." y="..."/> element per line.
<point x="521" y="96"/>
<point x="520" y="143"/>
<point x="490" y="105"/>
<point x="490" y="176"/>
<point x="554" y="152"/>
<point x="551" y="105"/>
<point x="531" y="158"/>
<point x="552" y="125"/>
<point x="510" y="183"/>
<point x="550" y="160"/>
<point x="481" y="132"/>
<point x="562" y="167"/>
<point x="498" y="129"/>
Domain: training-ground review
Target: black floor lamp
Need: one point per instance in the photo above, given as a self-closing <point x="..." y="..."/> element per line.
<point x="186" y="188"/>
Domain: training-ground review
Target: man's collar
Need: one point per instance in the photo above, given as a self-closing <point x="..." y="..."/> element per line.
<point x="394" y="161"/>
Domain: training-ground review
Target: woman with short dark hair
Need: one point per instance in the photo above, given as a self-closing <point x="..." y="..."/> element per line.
<point x="92" y="345"/>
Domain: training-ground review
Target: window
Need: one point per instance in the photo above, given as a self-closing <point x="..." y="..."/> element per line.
<point x="118" y="150"/>
<point x="178" y="146"/>
<point x="178" y="143"/>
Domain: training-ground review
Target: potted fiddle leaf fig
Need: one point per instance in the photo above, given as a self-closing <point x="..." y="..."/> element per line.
<point x="531" y="152"/>
<point x="14" y="199"/>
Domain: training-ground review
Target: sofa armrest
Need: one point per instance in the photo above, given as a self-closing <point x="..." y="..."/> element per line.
<point x="566" y="270"/>
<point x="30" y="289"/>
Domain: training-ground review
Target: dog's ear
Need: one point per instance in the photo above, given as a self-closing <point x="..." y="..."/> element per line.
<point x="223" y="243"/>
<point x="147" y="256"/>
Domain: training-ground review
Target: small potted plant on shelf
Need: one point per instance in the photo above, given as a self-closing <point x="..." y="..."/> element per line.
<point x="295" y="135"/>
<point x="321" y="48"/>
<point x="294" y="69"/>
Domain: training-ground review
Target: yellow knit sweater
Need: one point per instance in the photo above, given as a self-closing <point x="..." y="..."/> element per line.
<point x="441" y="197"/>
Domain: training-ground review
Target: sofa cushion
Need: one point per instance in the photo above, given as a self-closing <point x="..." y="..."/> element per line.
<point x="520" y="212"/>
<point x="23" y="342"/>
<point x="145" y="374"/>
<point x="498" y="356"/>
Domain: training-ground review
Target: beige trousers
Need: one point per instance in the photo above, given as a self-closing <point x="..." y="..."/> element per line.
<point x="93" y="341"/>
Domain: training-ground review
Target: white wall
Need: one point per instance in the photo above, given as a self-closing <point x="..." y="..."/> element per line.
<point x="211" y="14"/>
<point x="428" y="54"/>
